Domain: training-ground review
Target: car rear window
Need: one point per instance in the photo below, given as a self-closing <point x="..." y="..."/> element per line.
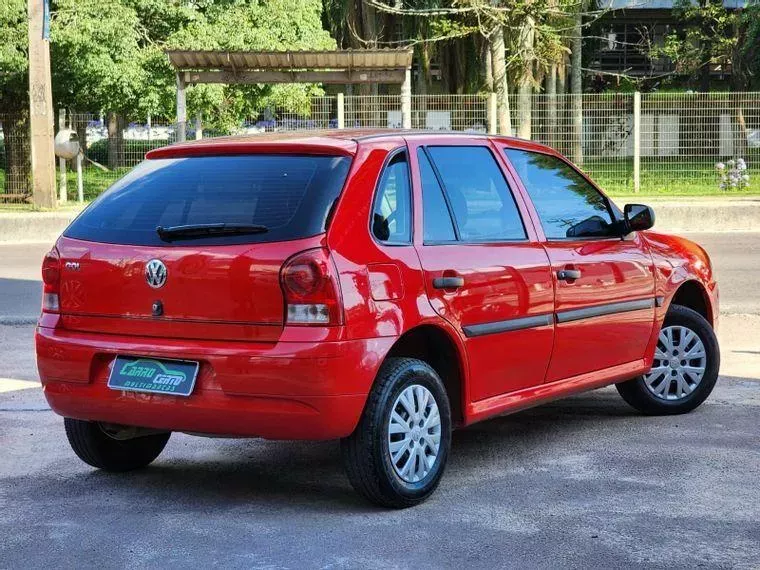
<point x="290" y="195"/>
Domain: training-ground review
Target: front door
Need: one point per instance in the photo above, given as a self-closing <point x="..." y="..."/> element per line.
<point x="484" y="270"/>
<point x="604" y="300"/>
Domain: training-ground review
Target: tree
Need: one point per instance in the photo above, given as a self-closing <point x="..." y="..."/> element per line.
<point x="14" y="88"/>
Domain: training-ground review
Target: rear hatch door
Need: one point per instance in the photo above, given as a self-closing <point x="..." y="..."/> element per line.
<point x="228" y="223"/>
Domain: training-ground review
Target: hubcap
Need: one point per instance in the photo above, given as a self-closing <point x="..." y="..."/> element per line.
<point x="679" y="364"/>
<point x="414" y="433"/>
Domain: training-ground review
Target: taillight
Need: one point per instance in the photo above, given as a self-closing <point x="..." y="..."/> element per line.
<point x="51" y="281"/>
<point x="310" y="285"/>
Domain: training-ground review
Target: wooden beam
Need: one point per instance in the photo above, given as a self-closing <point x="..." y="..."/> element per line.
<point x="340" y="77"/>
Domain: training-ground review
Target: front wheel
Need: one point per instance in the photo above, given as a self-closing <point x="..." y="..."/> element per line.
<point x="397" y="453"/>
<point x="684" y="370"/>
<point x="97" y="445"/>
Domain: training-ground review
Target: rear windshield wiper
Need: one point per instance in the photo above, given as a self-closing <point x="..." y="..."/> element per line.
<point x="205" y="230"/>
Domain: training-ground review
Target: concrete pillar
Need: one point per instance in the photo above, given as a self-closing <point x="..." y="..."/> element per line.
<point x="637" y="141"/>
<point x="41" y="117"/>
<point x="341" y="111"/>
<point x="181" y="109"/>
<point x="406" y="100"/>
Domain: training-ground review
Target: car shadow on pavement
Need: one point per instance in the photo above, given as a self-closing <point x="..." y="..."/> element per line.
<point x="211" y="474"/>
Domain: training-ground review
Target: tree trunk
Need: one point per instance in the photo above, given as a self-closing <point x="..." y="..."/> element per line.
<point x="576" y="88"/>
<point x="496" y="42"/>
<point x="18" y="168"/>
<point x="525" y="83"/>
<point x="551" y="104"/>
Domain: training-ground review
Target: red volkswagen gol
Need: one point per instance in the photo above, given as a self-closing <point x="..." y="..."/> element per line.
<point x="377" y="287"/>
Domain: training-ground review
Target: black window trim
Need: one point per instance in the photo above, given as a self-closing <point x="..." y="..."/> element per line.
<point x="607" y="202"/>
<point x="386" y="163"/>
<point x="439" y="178"/>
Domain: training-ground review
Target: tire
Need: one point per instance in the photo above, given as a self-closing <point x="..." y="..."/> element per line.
<point x="366" y="452"/>
<point x="95" y="447"/>
<point x="637" y="392"/>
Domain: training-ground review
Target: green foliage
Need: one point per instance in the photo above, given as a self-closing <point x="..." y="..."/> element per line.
<point x="14" y="59"/>
<point x="707" y="36"/>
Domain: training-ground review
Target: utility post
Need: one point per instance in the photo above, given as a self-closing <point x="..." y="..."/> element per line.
<point x="637" y="141"/>
<point x="41" y="105"/>
<point x="62" y="189"/>
<point x="181" y="108"/>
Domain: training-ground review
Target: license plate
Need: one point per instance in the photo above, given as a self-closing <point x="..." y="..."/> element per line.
<point x="155" y="376"/>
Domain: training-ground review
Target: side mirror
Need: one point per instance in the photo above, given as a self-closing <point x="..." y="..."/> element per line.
<point x="638" y="217"/>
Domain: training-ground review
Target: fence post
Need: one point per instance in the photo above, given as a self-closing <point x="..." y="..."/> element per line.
<point x="637" y="141"/>
<point x="198" y="127"/>
<point x="341" y="112"/>
<point x="493" y="127"/>
<point x="62" y="190"/>
<point x="80" y="187"/>
<point x="406" y="100"/>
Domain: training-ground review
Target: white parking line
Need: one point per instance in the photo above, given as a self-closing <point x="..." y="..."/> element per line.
<point x="11" y="385"/>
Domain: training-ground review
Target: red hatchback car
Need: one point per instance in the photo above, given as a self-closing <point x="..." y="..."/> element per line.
<point x="379" y="287"/>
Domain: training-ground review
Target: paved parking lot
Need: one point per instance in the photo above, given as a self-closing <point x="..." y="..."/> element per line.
<point x="584" y="482"/>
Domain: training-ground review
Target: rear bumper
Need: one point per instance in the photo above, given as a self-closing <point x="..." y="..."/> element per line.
<point x="284" y="390"/>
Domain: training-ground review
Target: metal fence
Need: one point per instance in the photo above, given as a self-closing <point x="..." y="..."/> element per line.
<point x="683" y="138"/>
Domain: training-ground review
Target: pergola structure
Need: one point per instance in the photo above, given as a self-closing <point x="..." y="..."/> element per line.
<point x="342" y="67"/>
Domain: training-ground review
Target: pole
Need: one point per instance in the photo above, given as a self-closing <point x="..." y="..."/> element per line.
<point x="41" y="117"/>
<point x="637" y="141"/>
<point x="341" y="111"/>
<point x="62" y="190"/>
<point x="181" y="109"/>
<point x="198" y="127"/>
<point x="406" y="100"/>
<point x="80" y="185"/>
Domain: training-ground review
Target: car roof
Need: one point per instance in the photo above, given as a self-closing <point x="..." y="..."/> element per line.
<point x="327" y="142"/>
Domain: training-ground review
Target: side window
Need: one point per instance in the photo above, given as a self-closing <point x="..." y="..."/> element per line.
<point x="436" y="220"/>
<point x="392" y="213"/>
<point x="567" y="204"/>
<point x="483" y="206"/>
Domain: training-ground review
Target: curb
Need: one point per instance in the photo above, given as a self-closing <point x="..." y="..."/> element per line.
<point x="709" y="215"/>
<point x="728" y="215"/>
<point x="33" y="226"/>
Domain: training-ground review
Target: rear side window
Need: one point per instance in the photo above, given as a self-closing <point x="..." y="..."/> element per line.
<point x="392" y="213"/>
<point x="436" y="220"/>
<point x="480" y="199"/>
<point x="289" y="195"/>
<point x="568" y="206"/>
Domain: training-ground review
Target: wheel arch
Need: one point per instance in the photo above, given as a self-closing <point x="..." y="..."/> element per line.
<point x="435" y="345"/>
<point x="693" y="295"/>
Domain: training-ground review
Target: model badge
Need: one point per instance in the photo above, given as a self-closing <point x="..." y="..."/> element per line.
<point x="155" y="273"/>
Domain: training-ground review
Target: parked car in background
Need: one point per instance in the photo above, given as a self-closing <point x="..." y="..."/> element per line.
<point x="377" y="287"/>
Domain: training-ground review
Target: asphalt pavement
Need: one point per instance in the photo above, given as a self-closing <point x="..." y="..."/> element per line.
<point x="584" y="482"/>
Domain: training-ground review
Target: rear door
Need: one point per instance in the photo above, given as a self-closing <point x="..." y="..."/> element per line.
<point x="484" y="271"/>
<point x="604" y="283"/>
<point x="120" y="275"/>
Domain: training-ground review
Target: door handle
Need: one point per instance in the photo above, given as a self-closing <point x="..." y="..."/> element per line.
<point x="448" y="282"/>
<point x="568" y="274"/>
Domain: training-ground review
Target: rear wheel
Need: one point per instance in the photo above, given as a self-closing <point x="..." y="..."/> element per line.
<point x="106" y="448"/>
<point x="684" y="370"/>
<point x="397" y="454"/>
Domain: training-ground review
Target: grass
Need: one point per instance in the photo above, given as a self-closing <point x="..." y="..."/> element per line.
<point x="661" y="178"/>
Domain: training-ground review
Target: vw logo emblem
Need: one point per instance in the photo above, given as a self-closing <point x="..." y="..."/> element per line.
<point x="155" y="273"/>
